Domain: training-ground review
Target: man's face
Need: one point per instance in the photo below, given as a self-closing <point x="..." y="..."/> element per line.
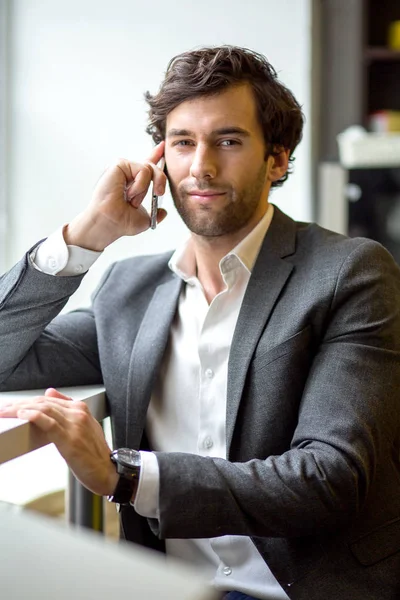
<point x="215" y="153"/>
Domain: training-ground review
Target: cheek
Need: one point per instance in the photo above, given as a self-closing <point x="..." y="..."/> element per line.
<point x="242" y="177"/>
<point x="178" y="168"/>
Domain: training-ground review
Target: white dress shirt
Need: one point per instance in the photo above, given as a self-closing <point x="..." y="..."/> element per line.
<point x="187" y="411"/>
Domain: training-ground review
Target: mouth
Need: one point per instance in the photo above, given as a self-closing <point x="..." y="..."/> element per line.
<point x="205" y="196"/>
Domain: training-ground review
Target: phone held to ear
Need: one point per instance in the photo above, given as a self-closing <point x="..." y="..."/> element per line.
<point x="154" y="200"/>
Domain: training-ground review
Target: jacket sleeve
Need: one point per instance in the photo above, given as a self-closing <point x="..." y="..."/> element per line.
<point x="348" y="426"/>
<point x="38" y="348"/>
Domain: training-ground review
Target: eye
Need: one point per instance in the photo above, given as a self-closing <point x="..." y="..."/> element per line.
<point x="183" y="143"/>
<point x="229" y="142"/>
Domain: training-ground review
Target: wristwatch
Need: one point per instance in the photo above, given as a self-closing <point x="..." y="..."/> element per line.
<point x="128" y="463"/>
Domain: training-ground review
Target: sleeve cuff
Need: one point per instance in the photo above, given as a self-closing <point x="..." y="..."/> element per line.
<point x="146" y="502"/>
<point x="54" y="257"/>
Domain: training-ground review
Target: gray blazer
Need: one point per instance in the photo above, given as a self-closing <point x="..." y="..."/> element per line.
<point x="313" y="419"/>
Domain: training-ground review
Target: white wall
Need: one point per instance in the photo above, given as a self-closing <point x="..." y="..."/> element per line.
<point x="78" y="71"/>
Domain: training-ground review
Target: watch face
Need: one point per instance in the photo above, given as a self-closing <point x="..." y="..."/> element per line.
<point x="128" y="457"/>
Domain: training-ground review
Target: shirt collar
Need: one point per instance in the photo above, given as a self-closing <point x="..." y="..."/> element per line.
<point x="183" y="262"/>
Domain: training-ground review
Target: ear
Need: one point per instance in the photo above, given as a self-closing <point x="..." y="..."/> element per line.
<point x="278" y="163"/>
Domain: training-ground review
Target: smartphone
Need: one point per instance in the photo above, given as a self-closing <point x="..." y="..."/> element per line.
<point x="154" y="200"/>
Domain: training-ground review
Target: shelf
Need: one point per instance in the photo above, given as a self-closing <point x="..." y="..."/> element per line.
<point x="381" y="54"/>
<point x="369" y="150"/>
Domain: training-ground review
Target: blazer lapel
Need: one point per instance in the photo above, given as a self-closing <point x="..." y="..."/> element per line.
<point x="147" y="353"/>
<point x="269" y="275"/>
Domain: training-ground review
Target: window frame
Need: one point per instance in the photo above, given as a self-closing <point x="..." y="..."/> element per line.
<point x="4" y="112"/>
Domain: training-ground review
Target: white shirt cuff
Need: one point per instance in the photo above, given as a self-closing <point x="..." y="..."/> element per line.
<point x="54" y="257"/>
<point x="146" y="501"/>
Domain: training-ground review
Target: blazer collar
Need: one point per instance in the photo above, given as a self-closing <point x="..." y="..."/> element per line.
<point x="147" y="353"/>
<point x="269" y="275"/>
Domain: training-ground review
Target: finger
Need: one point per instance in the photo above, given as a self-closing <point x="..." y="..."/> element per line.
<point x="157" y="153"/>
<point x="50" y="421"/>
<point x="128" y="170"/>
<point x="11" y="410"/>
<point x="40" y="403"/>
<point x="45" y="422"/>
<point x="66" y="408"/>
<point x="53" y="409"/>
<point x="48" y="400"/>
<point x="161" y="214"/>
<point x="137" y="190"/>
<point x="159" y="179"/>
<point x="53" y="393"/>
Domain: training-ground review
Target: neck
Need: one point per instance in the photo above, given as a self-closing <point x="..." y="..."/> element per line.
<point x="208" y="253"/>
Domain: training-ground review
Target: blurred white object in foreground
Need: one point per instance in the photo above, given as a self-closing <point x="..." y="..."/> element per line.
<point x="41" y="559"/>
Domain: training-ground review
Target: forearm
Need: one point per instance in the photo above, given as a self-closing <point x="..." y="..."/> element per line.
<point x="39" y="347"/>
<point x="29" y="300"/>
<point x="284" y="496"/>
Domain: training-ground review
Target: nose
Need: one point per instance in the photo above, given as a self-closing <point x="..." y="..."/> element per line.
<point x="203" y="163"/>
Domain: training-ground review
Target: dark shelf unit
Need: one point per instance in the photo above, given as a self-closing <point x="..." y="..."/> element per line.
<point x="359" y="73"/>
<point x="381" y="54"/>
<point x="379" y="15"/>
<point x="382" y="67"/>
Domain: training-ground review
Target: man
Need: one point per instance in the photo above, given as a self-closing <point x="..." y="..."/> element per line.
<point x="257" y="369"/>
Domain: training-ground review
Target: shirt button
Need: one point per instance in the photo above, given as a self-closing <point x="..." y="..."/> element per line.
<point x="208" y="443"/>
<point x="78" y="269"/>
<point x="227" y="571"/>
<point x="209" y="373"/>
<point x="52" y="262"/>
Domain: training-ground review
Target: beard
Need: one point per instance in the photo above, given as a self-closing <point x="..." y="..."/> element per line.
<point x="236" y="210"/>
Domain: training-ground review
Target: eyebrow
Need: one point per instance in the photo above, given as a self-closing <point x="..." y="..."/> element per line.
<point x="221" y="131"/>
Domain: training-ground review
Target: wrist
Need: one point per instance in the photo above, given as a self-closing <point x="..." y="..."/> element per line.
<point x="112" y="481"/>
<point x="128" y="465"/>
<point x="86" y="232"/>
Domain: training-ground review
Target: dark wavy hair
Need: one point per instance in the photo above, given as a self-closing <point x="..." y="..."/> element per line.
<point x="210" y="70"/>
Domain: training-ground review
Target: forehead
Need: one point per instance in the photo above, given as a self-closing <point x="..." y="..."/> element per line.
<point x="234" y="106"/>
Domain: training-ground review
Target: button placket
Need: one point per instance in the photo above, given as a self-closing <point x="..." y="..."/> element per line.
<point x="211" y="440"/>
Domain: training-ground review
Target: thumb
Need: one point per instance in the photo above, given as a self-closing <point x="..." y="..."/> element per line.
<point x="161" y="214"/>
<point x="52" y="393"/>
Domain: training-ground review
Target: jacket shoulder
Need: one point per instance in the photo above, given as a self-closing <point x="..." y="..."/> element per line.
<point x="331" y="247"/>
<point x="135" y="275"/>
<point x="152" y="265"/>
